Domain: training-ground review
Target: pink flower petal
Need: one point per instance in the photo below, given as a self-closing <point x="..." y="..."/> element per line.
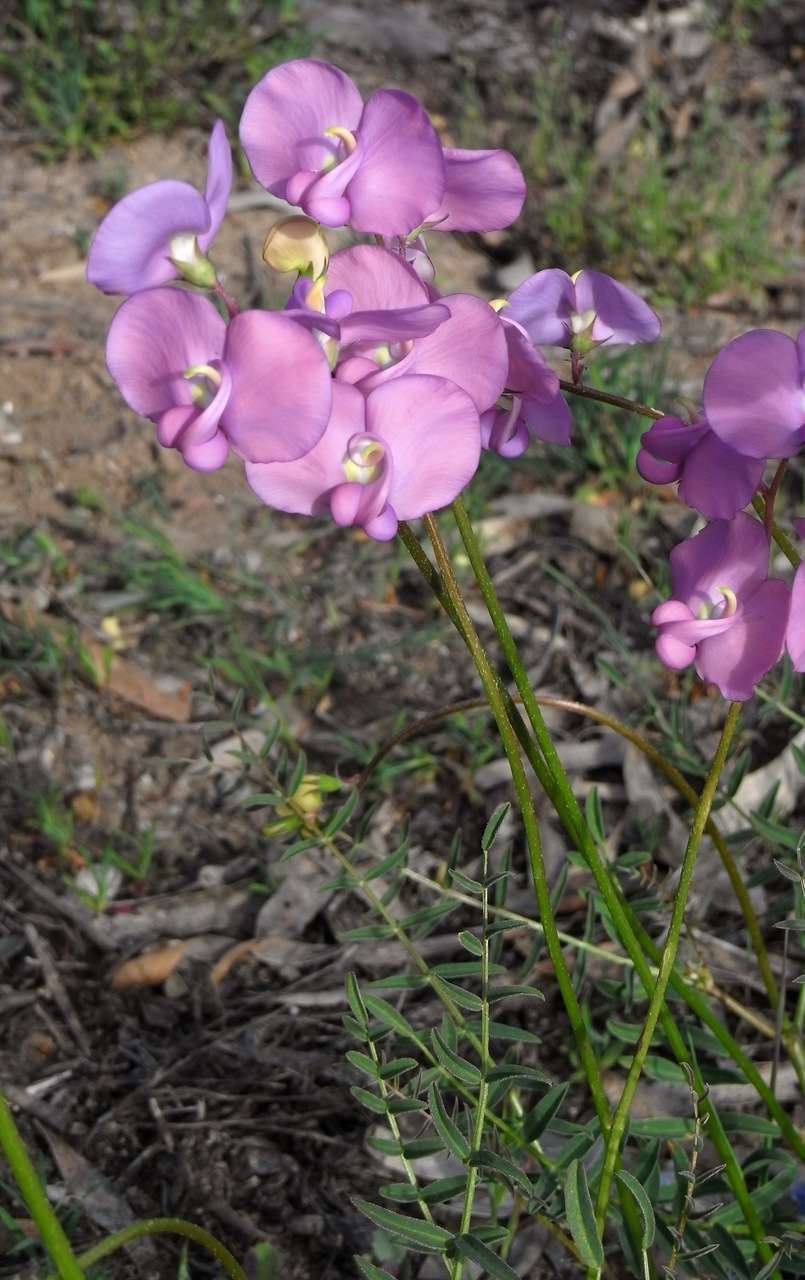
<point x="732" y="553"/>
<point x="281" y="387"/>
<point x="484" y="191"/>
<point x="219" y="182"/>
<point x="620" y="315"/>
<point x="401" y="176"/>
<point x="753" y="395"/>
<point x="718" y="481"/>
<point x="469" y="349"/>
<point x="293" y="104"/>
<point x="795" y="634"/>
<point x="302" y="486"/>
<point x="374" y="278"/>
<point x="552" y="422"/>
<point x="129" y="251"/>
<point x="433" y="432"/>
<point x="154" y="337"/>
<point x="543" y="305"/>
<point x="739" y="657"/>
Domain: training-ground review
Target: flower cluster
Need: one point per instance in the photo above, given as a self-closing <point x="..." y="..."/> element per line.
<point x="370" y="395"/>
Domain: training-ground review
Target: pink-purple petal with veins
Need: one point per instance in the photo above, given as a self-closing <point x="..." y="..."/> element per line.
<point x="716" y="480"/>
<point x="354" y="369"/>
<point x="294" y="104"/>
<point x="324" y="199"/>
<point x="620" y="315"/>
<point x="281" y="387"/>
<point x="129" y="251"/>
<point x="401" y="325"/>
<point x="543" y="305"/>
<point x="154" y="337"/>
<point x="753" y="395"/>
<point x="795" y="633"/>
<point x="743" y="654"/>
<point x="375" y="279"/>
<point x="484" y="191"/>
<point x="302" y="486"/>
<point x="432" y="430"/>
<point x="656" y="470"/>
<point x="732" y="553"/>
<point x="671" y="440"/>
<point x="452" y="352"/>
<point x="402" y="172"/>
<point x="219" y="182"/>
<point x="528" y="374"/>
<point x="552" y="422"/>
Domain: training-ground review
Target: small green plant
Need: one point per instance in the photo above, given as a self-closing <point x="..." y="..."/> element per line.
<point x="86" y="71"/>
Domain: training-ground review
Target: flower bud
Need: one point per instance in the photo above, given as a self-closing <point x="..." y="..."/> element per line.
<point x="190" y="262"/>
<point x="297" y="244"/>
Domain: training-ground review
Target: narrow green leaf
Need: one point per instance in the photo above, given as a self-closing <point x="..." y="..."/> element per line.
<point x="464" y="969"/>
<point x="594" y="815"/>
<point x="446" y="1128"/>
<point x="493" y="826"/>
<point x="342" y="815"/>
<point x="466" y="883"/>
<point x="392" y="1018"/>
<point x="417" y="1234"/>
<point x="463" y="1070"/>
<point x="516" y="989"/>
<point x="638" y="1194"/>
<point x="540" y="1116"/>
<point x="470" y="943"/>
<point x="369" y="1100"/>
<point x="464" y="999"/>
<point x="367" y="933"/>
<point x="514" y="1073"/>
<point x="362" y="1062"/>
<point x="474" y="1250"/>
<point x="370" y="1272"/>
<point x="388" y="864"/>
<point x="488" y="1159"/>
<point x="763" y="1198"/>
<point x="396" y="1067"/>
<point x="398" y="982"/>
<point x="580" y="1216"/>
<point x="355" y="999"/>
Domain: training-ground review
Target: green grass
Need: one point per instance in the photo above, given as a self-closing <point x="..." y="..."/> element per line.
<point x="660" y="210"/>
<point x="84" y="72"/>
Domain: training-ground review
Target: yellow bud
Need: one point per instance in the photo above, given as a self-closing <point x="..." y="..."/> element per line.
<point x="297" y="244"/>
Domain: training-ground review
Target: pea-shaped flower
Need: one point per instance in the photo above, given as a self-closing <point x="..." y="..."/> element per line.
<point x="754" y="394"/>
<point x="163" y="230"/>
<point x="725" y="614"/>
<point x="713" y="477"/>
<point x="260" y="385"/>
<point x="581" y="311"/>
<point x="405" y="449"/>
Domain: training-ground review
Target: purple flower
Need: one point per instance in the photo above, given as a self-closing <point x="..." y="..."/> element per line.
<point x="389" y="327"/>
<point x="754" y="394"/>
<point x="260" y="384"/>
<point x="714" y="478"/>
<point x="725" y="614"/>
<point x="795" y="635"/>
<point x="537" y="406"/>
<point x="163" y="230"/>
<point x="405" y="449"/>
<point x="310" y="139"/>
<point x="582" y="310"/>
<point x="378" y="166"/>
<point x="484" y="191"/>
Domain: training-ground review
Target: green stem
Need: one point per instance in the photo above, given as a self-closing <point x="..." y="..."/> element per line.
<point x="666" y="964"/>
<point x="549" y="770"/>
<point x="165" y="1226"/>
<point x="632" y="934"/>
<point x="33" y="1193"/>
<point x="497" y="705"/>
<point x="483" y="1087"/>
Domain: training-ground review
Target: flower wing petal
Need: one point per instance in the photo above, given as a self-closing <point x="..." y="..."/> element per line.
<point x="753" y="395"/>
<point x="219" y="182"/>
<point x="130" y="249"/>
<point x="484" y="191"/>
<point x="401" y="176"/>
<point x="281" y="387"/>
